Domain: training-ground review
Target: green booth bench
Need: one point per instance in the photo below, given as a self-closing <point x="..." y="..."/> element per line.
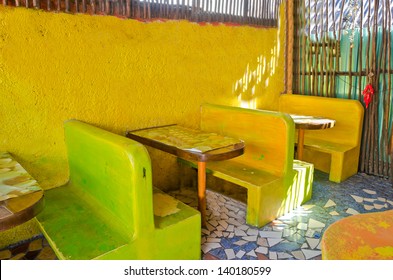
<point x="275" y="182"/>
<point x="109" y="209"/>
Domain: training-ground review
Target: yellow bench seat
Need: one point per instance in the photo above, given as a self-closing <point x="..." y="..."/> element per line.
<point x="327" y="146"/>
<point x="334" y="150"/>
<point x="242" y="174"/>
<point x="275" y="182"/>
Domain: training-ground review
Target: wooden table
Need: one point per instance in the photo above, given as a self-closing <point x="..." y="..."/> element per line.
<point x="16" y="211"/>
<point x="21" y="199"/>
<point x="194" y="145"/>
<point x="308" y="122"/>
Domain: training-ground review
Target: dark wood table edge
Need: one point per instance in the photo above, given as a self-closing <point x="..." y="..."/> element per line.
<point x="26" y="214"/>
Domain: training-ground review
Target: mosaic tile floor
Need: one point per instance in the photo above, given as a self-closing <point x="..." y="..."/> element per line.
<point x="293" y="236"/>
<point x="296" y="235"/>
<point x="36" y="248"/>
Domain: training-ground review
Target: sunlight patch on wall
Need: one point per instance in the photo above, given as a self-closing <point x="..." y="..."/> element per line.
<point x="256" y="78"/>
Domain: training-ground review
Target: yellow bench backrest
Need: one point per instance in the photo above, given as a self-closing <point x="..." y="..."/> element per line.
<point x="268" y="136"/>
<point x="347" y="113"/>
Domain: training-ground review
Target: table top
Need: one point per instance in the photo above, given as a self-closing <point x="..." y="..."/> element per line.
<point x="21" y="198"/>
<point x="312" y="122"/>
<point x="190" y="144"/>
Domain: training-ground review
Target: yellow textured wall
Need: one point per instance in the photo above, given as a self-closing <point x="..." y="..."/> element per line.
<point x="121" y="74"/>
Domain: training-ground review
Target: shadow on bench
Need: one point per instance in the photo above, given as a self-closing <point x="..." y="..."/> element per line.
<point x="109" y="210"/>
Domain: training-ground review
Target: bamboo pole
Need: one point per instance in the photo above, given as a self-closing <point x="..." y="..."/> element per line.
<point x="299" y="53"/>
<point x="316" y="53"/>
<point x="185" y="9"/>
<point x="128" y="9"/>
<point x="350" y="71"/>
<point x="120" y="7"/>
<point x="169" y="8"/>
<point x="298" y="47"/>
<point x="334" y="53"/>
<point x="375" y="130"/>
<point x="230" y="10"/>
<point x="261" y="6"/>
<point x="296" y="53"/>
<point x="303" y="48"/>
<point x="383" y="147"/>
<point x="289" y="47"/>
<point x="176" y="13"/>
<point x="350" y="61"/>
<point x="327" y="51"/>
<point x="366" y="158"/>
<point x="388" y="104"/>
<point x="370" y="151"/>
<point x="304" y="52"/>
<point x="251" y="11"/>
<point x="323" y="58"/>
<point x="93" y="6"/>
<point x="337" y="66"/>
<point x="360" y="51"/>
<point x="208" y="11"/>
<point x="257" y="12"/>
<point x="220" y="12"/>
<point x="310" y="58"/>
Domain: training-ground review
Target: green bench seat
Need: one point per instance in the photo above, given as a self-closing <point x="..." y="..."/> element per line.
<point x="275" y="182"/>
<point x="109" y="209"/>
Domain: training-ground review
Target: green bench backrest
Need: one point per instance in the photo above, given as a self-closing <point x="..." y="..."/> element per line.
<point x="268" y="136"/>
<point x="114" y="171"/>
<point x="347" y="113"/>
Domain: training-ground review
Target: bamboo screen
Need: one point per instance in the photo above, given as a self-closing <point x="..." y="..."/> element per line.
<point x="250" y="12"/>
<point x="340" y="47"/>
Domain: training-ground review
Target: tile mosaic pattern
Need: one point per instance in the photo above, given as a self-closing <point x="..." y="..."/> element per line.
<point x="14" y="179"/>
<point x="186" y="138"/>
<point x="36" y="248"/>
<point x="295" y="236"/>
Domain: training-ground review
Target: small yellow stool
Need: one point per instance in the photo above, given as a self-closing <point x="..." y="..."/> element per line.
<point x="360" y="237"/>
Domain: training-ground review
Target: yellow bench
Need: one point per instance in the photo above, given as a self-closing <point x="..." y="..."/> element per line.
<point x="360" y="237"/>
<point x="275" y="182"/>
<point x="335" y="150"/>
